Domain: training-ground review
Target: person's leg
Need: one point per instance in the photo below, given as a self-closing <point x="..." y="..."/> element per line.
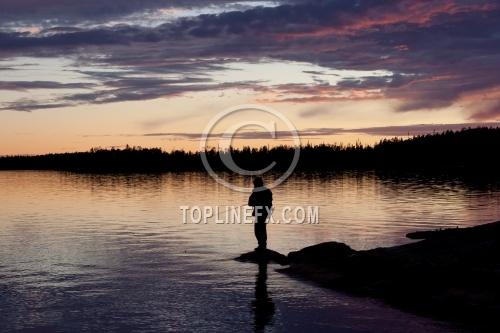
<point x="263" y="236"/>
<point x="260" y="231"/>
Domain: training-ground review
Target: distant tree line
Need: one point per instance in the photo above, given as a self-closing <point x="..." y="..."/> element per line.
<point x="471" y="148"/>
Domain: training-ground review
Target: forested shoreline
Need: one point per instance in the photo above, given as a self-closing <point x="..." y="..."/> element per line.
<point x="467" y="148"/>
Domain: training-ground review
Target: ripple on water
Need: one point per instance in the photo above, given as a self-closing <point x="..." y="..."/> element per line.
<point x="95" y="253"/>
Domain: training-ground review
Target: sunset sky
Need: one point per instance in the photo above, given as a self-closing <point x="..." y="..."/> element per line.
<point x="153" y="73"/>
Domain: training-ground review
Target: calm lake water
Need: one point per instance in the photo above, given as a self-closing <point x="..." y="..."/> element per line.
<point x="109" y="253"/>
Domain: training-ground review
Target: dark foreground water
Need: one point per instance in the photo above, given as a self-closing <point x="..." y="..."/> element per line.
<point x="109" y="253"/>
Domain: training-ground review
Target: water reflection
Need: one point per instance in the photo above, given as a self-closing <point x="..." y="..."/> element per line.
<point x="95" y="253"/>
<point x="263" y="305"/>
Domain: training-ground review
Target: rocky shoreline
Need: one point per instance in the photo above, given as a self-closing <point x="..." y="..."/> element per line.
<point x="453" y="273"/>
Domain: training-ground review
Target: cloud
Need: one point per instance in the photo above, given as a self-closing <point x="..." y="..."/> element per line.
<point x="319" y="73"/>
<point x="311" y="133"/>
<point x="48" y="12"/>
<point x="314" y="72"/>
<point x="28" y="105"/>
<point x="396" y="131"/>
<point x="142" y="93"/>
<point x="31" y="85"/>
<point x="322" y="92"/>
<point x="253" y="135"/>
<point x="155" y="123"/>
<point x="128" y="92"/>
<point x="418" y="129"/>
<point x="435" y="52"/>
<point x="314" y="112"/>
<point x="490" y="113"/>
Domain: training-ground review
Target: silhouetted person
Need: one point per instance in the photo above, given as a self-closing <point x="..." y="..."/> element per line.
<point x="263" y="305"/>
<point x="261" y="200"/>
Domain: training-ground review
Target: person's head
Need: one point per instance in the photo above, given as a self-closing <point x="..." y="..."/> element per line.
<point x="258" y="182"/>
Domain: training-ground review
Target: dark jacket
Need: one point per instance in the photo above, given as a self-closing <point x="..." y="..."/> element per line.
<point x="261" y="199"/>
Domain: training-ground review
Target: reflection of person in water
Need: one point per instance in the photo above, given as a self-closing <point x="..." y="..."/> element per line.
<point x="261" y="200"/>
<point x="263" y="305"/>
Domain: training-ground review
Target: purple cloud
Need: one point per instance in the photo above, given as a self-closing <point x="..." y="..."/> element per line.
<point x="31" y="85"/>
<point x="438" y="52"/>
<point x="96" y="11"/>
<point x="491" y="112"/>
<point x="311" y="133"/>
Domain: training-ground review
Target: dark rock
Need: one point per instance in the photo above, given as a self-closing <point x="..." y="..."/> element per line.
<point x="454" y="276"/>
<point x="263" y="256"/>
<point x="321" y="253"/>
